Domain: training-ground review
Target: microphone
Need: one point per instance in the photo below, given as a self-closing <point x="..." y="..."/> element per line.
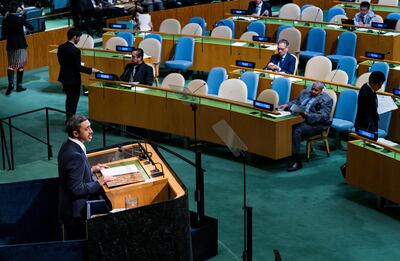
<point x="155" y="172"/>
<point x="198" y="88"/>
<point x="195" y="31"/>
<point x="316" y="15"/>
<point x="333" y="77"/>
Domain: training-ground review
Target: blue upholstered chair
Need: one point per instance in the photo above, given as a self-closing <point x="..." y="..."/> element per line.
<point x="382" y="67"/>
<point x="282" y="86"/>
<point x="199" y="20"/>
<point x="257" y="27"/>
<point x="349" y="65"/>
<point x="345" y="114"/>
<point x="128" y="24"/>
<point x="335" y="11"/>
<point x="251" y="81"/>
<point x="127" y="36"/>
<point x="393" y="16"/>
<point x="346" y="46"/>
<point x="316" y="38"/>
<point x="215" y="77"/>
<point x="154" y="36"/>
<point x="228" y="23"/>
<point x="184" y="52"/>
<point x="384" y="123"/>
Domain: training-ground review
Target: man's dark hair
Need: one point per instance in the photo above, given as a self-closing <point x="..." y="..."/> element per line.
<point x="139" y="52"/>
<point x="74" y="124"/>
<point x="13" y="7"/>
<point x="284" y="41"/>
<point x="376" y="77"/>
<point x="365" y="4"/>
<point x="73" y="32"/>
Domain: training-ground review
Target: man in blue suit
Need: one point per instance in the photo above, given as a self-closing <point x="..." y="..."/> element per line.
<point x="283" y="61"/>
<point x="315" y="107"/>
<point x="76" y="180"/>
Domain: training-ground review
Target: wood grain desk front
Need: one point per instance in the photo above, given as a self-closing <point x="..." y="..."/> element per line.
<point x="164" y="110"/>
<point x="374" y="170"/>
<point x="368" y="39"/>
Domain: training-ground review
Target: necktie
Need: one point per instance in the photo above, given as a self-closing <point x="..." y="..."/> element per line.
<point x="362" y="19"/>
<point x="132" y="76"/>
<point x="258" y="8"/>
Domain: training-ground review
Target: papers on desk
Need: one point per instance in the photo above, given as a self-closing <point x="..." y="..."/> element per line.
<point x="391" y="34"/>
<point x="239" y="44"/>
<point x="333" y="26"/>
<point x="116" y="171"/>
<point x="280" y="115"/>
<point x="120" y="6"/>
<point x="292" y="79"/>
<point x="362" y="29"/>
<point x="387" y="142"/>
<point x="385" y="104"/>
<point x="127" y="56"/>
<point x="244" y="18"/>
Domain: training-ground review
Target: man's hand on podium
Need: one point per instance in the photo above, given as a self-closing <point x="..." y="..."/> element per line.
<point x="104" y="179"/>
<point x="98" y="167"/>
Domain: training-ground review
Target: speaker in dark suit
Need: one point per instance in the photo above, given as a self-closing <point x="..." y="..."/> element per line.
<point x="264" y="8"/>
<point x="76" y="180"/>
<point x="69" y="58"/>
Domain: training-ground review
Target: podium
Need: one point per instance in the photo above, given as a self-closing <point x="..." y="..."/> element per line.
<point x="158" y="228"/>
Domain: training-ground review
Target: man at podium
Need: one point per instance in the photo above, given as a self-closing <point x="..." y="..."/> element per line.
<point x="76" y="180"/>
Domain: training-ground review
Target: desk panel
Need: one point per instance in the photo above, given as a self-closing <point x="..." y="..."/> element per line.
<point x="373" y="171"/>
<point x="167" y="113"/>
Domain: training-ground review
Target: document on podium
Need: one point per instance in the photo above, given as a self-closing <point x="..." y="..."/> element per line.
<point x="126" y="174"/>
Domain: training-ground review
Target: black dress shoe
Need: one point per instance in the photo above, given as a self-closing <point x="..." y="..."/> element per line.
<point x="8" y="92"/>
<point x="21" y="89"/>
<point x="295" y="166"/>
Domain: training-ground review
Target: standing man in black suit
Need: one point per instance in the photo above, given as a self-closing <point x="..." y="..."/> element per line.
<point x="283" y="61"/>
<point x="69" y="58"/>
<point x="259" y="8"/>
<point x="137" y="70"/>
<point x="367" y="117"/>
<point x="76" y="180"/>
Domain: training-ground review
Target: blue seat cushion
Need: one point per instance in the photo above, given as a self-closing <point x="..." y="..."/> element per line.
<point x="179" y="64"/>
<point x="309" y="54"/>
<point x="340" y="125"/>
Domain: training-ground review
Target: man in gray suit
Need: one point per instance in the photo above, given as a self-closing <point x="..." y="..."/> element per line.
<point x="315" y="107"/>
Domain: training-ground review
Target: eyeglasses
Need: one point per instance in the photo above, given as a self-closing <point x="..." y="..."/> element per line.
<point x="281" y="49"/>
<point x="315" y="89"/>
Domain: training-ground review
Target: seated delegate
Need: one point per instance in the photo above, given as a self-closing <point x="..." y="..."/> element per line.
<point x="138" y="71"/>
<point x="283" y="61"/>
<point x="315" y="107"/>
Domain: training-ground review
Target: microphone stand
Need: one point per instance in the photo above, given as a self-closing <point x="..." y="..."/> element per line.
<point x="248" y="218"/>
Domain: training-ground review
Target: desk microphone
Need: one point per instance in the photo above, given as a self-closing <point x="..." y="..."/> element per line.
<point x="198" y="88"/>
<point x="146" y="155"/>
<point x="333" y="77"/>
<point x="316" y="15"/>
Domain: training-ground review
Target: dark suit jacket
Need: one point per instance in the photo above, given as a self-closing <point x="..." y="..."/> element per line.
<point x="69" y="58"/>
<point x="288" y="65"/>
<point x="81" y="5"/>
<point x="265" y="6"/>
<point x="367" y="111"/>
<point x="13" y="30"/>
<point x="76" y="183"/>
<point x="143" y="74"/>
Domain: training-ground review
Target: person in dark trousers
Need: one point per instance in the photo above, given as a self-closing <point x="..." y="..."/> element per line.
<point x="316" y="108"/>
<point x="13" y="31"/>
<point x="367" y="117"/>
<point x="77" y="184"/>
<point x="69" y="58"/>
<point x="137" y="70"/>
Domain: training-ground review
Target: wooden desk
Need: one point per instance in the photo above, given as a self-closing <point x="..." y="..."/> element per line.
<point x="163" y="203"/>
<point x="211" y="52"/>
<point x="163" y="110"/>
<point x="373" y="170"/>
<point x="366" y="41"/>
<point x="37" y="52"/>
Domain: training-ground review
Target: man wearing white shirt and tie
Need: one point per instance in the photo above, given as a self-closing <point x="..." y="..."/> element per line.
<point x="283" y="61"/>
<point x="259" y="8"/>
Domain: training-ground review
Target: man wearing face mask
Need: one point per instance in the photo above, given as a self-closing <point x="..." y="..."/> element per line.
<point x="69" y="58"/>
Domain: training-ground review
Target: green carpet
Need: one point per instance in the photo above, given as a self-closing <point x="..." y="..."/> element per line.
<point x="307" y="215"/>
